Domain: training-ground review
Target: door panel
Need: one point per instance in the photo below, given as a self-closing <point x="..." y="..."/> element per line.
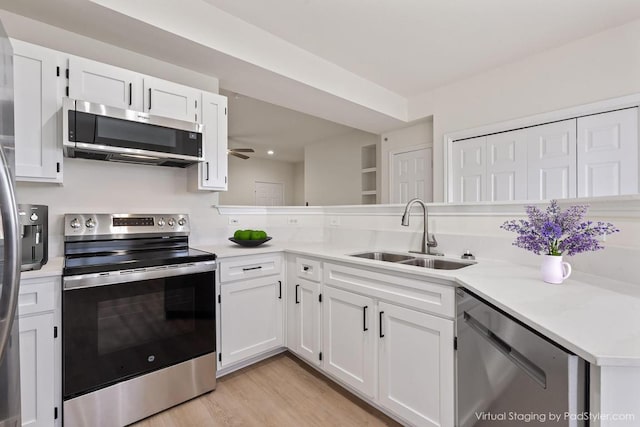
<point x="308" y="320"/>
<point x="416" y="366"/>
<point x="168" y="99"/>
<point x="411" y="176"/>
<point x="469" y="173"/>
<point x="349" y="345"/>
<point x="551" y="161"/>
<point x="608" y="153"/>
<point x="507" y="166"/>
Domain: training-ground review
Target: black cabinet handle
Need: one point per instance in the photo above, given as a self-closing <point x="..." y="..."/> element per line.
<point x="130" y="93"/>
<point x="364" y="318"/>
<point x="297" y="301"/>
<point x="252" y="268"/>
<point x="149" y="98"/>
<point x="279" y="289"/>
<point x="381" y="334"/>
<point x="207" y="171"/>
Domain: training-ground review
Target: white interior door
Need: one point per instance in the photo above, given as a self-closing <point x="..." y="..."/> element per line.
<point x="469" y="169"/>
<point x="608" y="153"/>
<point x="269" y="193"/>
<point x="411" y="175"/>
<point x="551" y="161"/>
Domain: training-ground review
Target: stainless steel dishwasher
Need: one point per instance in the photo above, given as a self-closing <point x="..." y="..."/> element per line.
<point x="508" y="375"/>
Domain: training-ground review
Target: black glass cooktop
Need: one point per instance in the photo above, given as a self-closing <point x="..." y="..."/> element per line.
<point x="111" y="255"/>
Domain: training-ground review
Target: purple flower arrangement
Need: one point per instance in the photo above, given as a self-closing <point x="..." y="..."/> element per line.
<point x="555" y="232"/>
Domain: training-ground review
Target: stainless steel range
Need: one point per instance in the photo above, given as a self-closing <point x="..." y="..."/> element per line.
<point x="138" y="317"/>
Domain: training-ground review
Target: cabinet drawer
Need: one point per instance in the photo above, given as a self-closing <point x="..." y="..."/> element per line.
<point x="416" y="292"/>
<point x="37" y="295"/>
<point x="249" y="267"/>
<point x="308" y="269"/>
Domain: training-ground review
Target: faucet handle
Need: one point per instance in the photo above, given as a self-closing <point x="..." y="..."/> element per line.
<point x="431" y="241"/>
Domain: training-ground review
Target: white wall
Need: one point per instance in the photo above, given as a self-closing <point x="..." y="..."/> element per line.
<point x="244" y="173"/>
<point x="36" y="32"/>
<point x="332" y="171"/>
<point x="298" y="184"/>
<point x="410" y="136"/>
<point x="602" y="66"/>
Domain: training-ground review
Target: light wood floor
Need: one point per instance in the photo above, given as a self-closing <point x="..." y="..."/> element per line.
<point x="280" y="391"/>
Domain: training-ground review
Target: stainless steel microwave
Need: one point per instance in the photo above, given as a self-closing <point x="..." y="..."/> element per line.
<point x="100" y="132"/>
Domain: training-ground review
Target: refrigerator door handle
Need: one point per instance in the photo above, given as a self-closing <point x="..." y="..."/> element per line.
<point x="11" y="273"/>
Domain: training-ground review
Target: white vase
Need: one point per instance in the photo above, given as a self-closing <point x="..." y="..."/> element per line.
<point x="554" y="270"/>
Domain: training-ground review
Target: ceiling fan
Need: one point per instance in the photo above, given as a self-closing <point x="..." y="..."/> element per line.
<point x="237" y="152"/>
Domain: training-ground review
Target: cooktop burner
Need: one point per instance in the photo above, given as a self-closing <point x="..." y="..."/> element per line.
<point x="110" y="242"/>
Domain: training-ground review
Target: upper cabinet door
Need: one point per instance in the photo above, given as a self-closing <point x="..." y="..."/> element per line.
<point x="212" y="173"/>
<point x="469" y="171"/>
<point x="507" y="166"/>
<point x="608" y="153"/>
<point x="168" y="99"/>
<point x="104" y="84"/>
<point x="552" y="160"/>
<point x="38" y="97"/>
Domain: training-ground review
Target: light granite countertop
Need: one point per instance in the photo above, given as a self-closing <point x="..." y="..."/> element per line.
<point x="594" y="317"/>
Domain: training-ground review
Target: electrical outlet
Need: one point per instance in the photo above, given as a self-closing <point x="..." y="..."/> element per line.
<point x="334" y="221"/>
<point x="292" y="221"/>
<point x="234" y="221"/>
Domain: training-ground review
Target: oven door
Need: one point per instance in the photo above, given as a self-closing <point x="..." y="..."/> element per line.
<point x="146" y="321"/>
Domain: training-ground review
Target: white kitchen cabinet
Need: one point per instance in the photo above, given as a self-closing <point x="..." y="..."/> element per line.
<point x="551" y="160"/>
<point x="306" y="320"/>
<point x="40" y="351"/>
<point x="38" y="83"/>
<point x="608" y="153"/>
<point x="251" y="302"/>
<point x="105" y="84"/>
<point x="348" y="338"/>
<point x="212" y="173"/>
<point x="416" y="365"/>
<point x="251" y="316"/>
<point x="168" y="99"/>
<point x="410" y="355"/>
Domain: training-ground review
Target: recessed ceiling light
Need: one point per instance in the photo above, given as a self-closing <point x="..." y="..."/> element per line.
<point x="270" y="152"/>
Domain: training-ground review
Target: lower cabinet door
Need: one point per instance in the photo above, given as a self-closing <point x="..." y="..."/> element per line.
<point x="37" y="370"/>
<point x="349" y="341"/>
<point x="416" y="368"/>
<point x="306" y="300"/>
<point x="251" y="318"/>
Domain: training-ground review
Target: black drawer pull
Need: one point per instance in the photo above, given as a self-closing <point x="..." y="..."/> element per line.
<point x="252" y="268"/>
<point x="364" y="318"/>
<point x="305" y="268"/>
<point x="381" y="334"/>
<point x="297" y="300"/>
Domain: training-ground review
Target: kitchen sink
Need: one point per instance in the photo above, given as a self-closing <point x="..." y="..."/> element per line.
<point x="434" y="263"/>
<point x="384" y="256"/>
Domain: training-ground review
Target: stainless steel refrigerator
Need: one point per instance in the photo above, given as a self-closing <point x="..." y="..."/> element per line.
<point x="9" y="248"/>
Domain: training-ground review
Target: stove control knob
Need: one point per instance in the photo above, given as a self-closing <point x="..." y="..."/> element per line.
<point x="161" y="222"/>
<point x="182" y="222"/>
<point x="171" y="222"/>
<point x="90" y="223"/>
<point x="34" y="217"/>
<point x="75" y="223"/>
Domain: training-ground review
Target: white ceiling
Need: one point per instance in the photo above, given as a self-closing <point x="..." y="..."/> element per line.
<point x="412" y="46"/>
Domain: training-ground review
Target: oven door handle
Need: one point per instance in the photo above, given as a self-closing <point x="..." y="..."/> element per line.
<point x="124" y="276"/>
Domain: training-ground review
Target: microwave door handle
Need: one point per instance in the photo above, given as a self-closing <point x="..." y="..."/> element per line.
<point x="521" y="361"/>
<point x="11" y="271"/>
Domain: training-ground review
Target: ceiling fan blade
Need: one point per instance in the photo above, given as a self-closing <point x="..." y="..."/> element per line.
<point x="242" y="156"/>
<point x="243" y="150"/>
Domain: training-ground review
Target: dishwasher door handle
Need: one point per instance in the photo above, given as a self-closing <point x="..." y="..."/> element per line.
<point x="531" y="369"/>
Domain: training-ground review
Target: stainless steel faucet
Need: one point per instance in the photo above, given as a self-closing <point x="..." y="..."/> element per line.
<point x="428" y="240"/>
